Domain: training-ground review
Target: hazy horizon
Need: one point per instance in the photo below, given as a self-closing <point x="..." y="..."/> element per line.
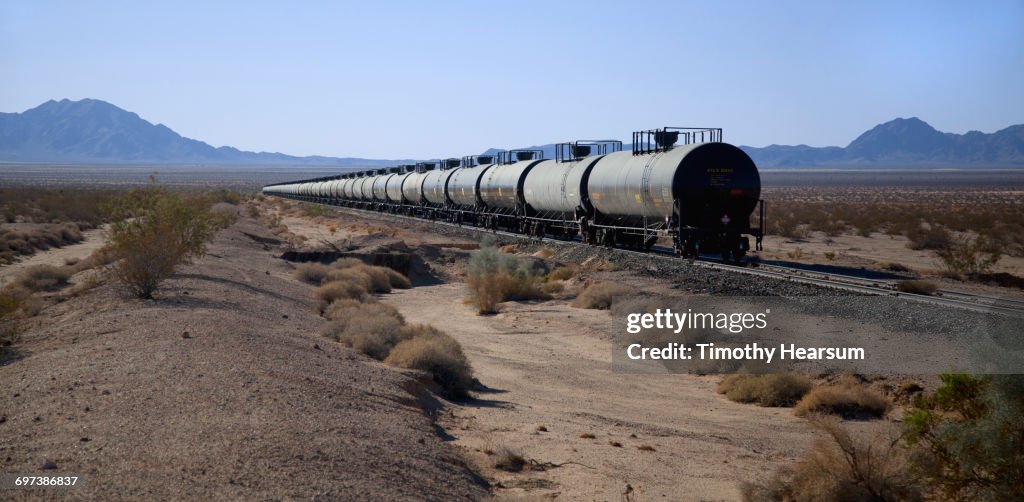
<point x="408" y="80"/>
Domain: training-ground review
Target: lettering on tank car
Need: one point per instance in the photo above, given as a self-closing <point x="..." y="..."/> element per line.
<point x="719" y="176"/>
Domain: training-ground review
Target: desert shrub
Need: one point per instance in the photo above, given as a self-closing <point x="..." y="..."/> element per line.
<point x="47" y="205"/>
<point x="347" y="262"/>
<point x="552" y="287"/>
<point x="970" y="256"/>
<point x="44" y="278"/>
<point x="494" y="277"/>
<point x="373" y="279"/>
<point x="38" y="238"/>
<point x="766" y="390"/>
<point x="893" y="266"/>
<point x="933" y="237"/>
<point x="349" y="308"/>
<point x="334" y="290"/>
<point x="155" y="232"/>
<point x="917" y="287"/>
<point x="562" y="273"/>
<point x="99" y="258"/>
<point x="312" y="273"/>
<point x="398" y="281"/>
<point x="13" y="308"/>
<point x="313" y="210"/>
<point x="373" y="336"/>
<point x="600" y="295"/>
<point x="427" y="349"/>
<point x="510" y="460"/>
<point x="843" y="468"/>
<point x="847" y="399"/>
<point x="969" y="437"/>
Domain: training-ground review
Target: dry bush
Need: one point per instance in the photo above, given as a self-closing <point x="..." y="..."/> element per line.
<point x="847" y="399"/>
<point x="968" y="437"/>
<point x="563" y="273"/>
<point x="917" y="287"/>
<point x="373" y="336"/>
<point x="157" y="231"/>
<point x="552" y="288"/>
<point x="510" y="460"/>
<point x="373" y="279"/>
<point x="766" y="390"/>
<point x="44" y="278"/>
<point x="99" y="258"/>
<point x="427" y="349"/>
<point x="893" y="266"/>
<point x="14" y="307"/>
<point x="15" y="242"/>
<point x="843" y="469"/>
<point x="332" y="291"/>
<point x="933" y="237"/>
<point x="312" y="273"/>
<point x="349" y="308"/>
<point x="47" y="205"/>
<point x="494" y="277"/>
<point x="313" y="210"/>
<point x="398" y="281"/>
<point x="347" y="262"/>
<point x="600" y="295"/>
<point x="970" y="257"/>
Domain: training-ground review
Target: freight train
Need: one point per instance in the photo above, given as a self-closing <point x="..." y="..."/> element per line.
<point x="676" y="183"/>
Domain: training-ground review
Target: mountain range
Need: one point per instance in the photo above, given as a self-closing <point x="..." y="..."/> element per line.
<point x="96" y="132"/>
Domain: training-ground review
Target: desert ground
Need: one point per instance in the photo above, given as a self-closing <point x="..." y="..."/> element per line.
<point x="549" y="392"/>
<point x="222" y="387"/>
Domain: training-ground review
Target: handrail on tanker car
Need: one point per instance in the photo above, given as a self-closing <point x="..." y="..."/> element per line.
<point x="662" y="140"/>
<point x="584" y="148"/>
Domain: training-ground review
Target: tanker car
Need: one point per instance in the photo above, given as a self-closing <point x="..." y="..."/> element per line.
<point x="679" y="183"/>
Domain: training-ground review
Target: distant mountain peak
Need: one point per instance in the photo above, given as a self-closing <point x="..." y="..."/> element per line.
<point x="904" y="142"/>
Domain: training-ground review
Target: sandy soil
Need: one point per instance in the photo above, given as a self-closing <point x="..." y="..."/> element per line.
<point x="549" y="365"/>
<point x="855" y="250"/>
<point x="218" y="390"/>
<point x="94" y="240"/>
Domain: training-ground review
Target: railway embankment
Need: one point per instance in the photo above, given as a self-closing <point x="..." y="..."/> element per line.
<point x="220" y="388"/>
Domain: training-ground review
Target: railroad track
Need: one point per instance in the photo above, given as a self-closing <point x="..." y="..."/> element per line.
<point x="883" y="287"/>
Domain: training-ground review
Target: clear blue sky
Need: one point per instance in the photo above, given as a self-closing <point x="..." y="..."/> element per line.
<point x="412" y="79"/>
